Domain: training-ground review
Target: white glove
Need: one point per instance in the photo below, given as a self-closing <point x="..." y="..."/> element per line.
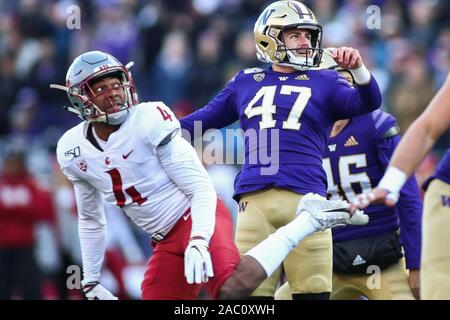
<point x="197" y="261"/>
<point x="95" y="291"/>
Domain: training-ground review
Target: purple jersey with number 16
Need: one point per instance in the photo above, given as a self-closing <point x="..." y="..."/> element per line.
<point x="355" y="161"/>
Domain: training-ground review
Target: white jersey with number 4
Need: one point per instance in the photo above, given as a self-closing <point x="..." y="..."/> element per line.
<point x="128" y="172"/>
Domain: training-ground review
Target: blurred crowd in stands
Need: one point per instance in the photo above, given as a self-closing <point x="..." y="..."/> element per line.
<point x="184" y="52"/>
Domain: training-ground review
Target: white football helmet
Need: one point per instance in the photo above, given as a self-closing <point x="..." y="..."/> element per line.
<point x="86" y="69"/>
<point x="274" y="21"/>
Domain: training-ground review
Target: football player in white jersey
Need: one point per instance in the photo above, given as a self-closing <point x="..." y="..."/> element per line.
<point x="133" y="155"/>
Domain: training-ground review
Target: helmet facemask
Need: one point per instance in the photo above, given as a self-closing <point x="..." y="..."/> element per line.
<point x="114" y="111"/>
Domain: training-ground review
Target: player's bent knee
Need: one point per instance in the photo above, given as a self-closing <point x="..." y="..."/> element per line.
<point x="248" y="275"/>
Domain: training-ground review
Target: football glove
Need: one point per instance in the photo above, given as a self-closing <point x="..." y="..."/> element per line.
<point x="197" y="261"/>
<point x="95" y="291"/>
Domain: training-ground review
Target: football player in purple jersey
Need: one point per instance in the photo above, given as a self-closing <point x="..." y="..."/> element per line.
<point x="290" y="107"/>
<point x="356" y="157"/>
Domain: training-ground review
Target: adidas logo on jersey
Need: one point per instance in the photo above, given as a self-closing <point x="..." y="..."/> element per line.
<point x="332" y="147"/>
<point x="358" y="261"/>
<point x="302" y="77"/>
<point x="259" y="77"/>
<point x="283" y="78"/>
<point x="351" y="142"/>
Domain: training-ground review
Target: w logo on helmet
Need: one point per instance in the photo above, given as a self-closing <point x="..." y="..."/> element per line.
<point x="266" y="15"/>
<point x="301" y="10"/>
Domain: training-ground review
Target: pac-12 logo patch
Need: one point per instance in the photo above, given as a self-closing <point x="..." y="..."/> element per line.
<point x="259" y="77"/>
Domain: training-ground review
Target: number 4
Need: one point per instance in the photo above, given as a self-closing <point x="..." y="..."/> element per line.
<point x="267" y="109"/>
<point x="166" y="116"/>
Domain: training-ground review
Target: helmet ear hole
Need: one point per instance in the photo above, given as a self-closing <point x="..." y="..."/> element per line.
<point x="264" y="44"/>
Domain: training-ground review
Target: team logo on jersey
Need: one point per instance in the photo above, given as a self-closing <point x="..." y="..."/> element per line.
<point x="82" y="165"/>
<point x="107" y="161"/>
<point x="332" y="147"/>
<point x="259" y="77"/>
<point x="283" y="78"/>
<point x="351" y="142"/>
<point x="74" y="153"/>
<point x="242" y="206"/>
<point x="302" y="77"/>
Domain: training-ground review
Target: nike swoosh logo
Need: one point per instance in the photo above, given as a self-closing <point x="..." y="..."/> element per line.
<point x="125" y="156"/>
<point x="185" y="217"/>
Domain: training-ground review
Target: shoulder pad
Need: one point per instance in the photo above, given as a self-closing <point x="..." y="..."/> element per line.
<point x="68" y="146"/>
<point x="157" y="121"/>
<point x="392" y="131"/>
<point x="253" y="70"/>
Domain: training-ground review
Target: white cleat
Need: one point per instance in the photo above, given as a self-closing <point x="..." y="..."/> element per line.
<point x="329" y="213"/>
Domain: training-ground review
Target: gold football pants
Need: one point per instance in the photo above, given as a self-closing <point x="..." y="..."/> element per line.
<point x="308" y="267"/>
<point x="435" y="261"/>
<point x="391" y="284"/>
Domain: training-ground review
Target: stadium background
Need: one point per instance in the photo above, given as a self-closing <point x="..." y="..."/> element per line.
<point x="184" y="52"/>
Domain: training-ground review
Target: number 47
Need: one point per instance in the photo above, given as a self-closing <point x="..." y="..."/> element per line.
<point x="267" y="109"/>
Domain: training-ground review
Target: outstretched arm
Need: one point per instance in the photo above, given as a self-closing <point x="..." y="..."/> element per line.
<point x="414" y="146"/>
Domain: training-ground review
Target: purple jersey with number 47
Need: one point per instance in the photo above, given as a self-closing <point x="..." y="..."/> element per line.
<point x="287" y="116"/>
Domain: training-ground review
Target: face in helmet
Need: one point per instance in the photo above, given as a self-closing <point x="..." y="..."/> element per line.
<point x="100" y="88"/>
<point x="108" y="94"/>
<point x="274" y="31"/>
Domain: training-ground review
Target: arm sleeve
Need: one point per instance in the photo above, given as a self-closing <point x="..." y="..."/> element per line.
<point x="409" y="209"/>
<point x="184" y="168"/>
<point x="91" y="229"/>
<point x="347" y="102"/>
<point x="218" y="113"/>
